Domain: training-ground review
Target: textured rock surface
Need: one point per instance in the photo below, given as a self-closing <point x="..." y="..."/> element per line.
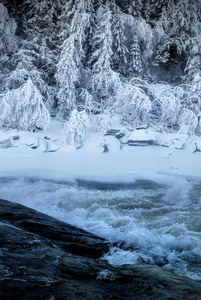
<point x="43" y="258"/>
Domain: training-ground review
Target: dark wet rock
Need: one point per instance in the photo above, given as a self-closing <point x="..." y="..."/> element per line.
<point x="43" y="258"/>
<point x="68" y="237"/>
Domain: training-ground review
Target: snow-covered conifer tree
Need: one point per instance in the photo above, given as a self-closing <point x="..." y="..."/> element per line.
<point x="67" y="76"/>
<point x="140" y="43"/>
<point x="181" y="22"/>
<point x="33" y="57"/>
<point x="42" y="28"/>
<point x="135" y="64"/>
<point x="74" y="53"/>
<point x="70" y="63"/>
<point x="193" y="66"/>
<point x="23" y="108"/>
<point x="23" y="65"/>
<point x="8" y="42"/>
<point x="135" y="8"/>
<point x="120" y="50"/>
<point x="147" y="9"/>
<point x="104" y="80"/>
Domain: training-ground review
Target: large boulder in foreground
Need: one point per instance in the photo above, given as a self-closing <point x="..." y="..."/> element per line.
<point x="43" y="258"/>
<point x="64" y="236"/>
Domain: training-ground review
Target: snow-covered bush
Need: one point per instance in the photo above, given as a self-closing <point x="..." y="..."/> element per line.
<point x="104" y="84"/>
<point x="169" y="107"/>
<point x="194" y="103"/>
<point x="187" y="121"/>
<point x="76" y="128"/>
<point x="189" y="96"/>
<point x="5" y="110"/>
<point x="87" y="102"/>
<point x="81" y="123"/>
<point x="101" y="122"/>
<point x="177" y="109"/>
<point x="133" y="105"/>
<point x="198" y="129"/>
<point x="23" y="108"/>
<point x="196" y="82"/>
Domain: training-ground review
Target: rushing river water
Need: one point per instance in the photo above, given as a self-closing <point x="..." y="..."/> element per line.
<point x="149" y="223"/>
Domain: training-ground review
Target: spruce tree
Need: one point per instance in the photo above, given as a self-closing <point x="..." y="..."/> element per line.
<point x="8" y="43"/>
<point x="135" y="64"/>
<point x="120" y="50"/>
<point x="135" y="8"/>
<point x="104" y="79"/>
<point x="70" y="65"/>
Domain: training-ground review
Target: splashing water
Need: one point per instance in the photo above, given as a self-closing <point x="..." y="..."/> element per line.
<point x="149" y="223"/>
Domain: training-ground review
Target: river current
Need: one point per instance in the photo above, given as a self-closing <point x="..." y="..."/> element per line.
<point x="147" y="222"/>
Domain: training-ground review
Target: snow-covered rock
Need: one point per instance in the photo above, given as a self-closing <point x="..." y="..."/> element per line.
<point x="5" y="140"/>
<point x="111" y="144"/>
<point x="51" y="146"/>
<point x="30" y="140"/>
<point x="177" y="141"/>
<point x="143" y="137"/>
<point x="7" y="143"/>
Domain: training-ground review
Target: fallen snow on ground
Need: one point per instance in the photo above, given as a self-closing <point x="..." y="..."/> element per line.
<point x="42" y="155"/>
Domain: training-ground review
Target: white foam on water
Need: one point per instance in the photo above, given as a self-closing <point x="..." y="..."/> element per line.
<point x="152" y="224"/>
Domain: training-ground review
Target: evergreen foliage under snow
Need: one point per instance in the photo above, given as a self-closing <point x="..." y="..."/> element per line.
<point x="89" y="61"/>
<point x="23" y="108"/>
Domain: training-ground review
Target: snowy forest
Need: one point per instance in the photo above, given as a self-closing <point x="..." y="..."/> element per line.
<point x="91" y="64"/>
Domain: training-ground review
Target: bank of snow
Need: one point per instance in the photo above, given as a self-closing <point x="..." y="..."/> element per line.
<point x="122" y="155"/>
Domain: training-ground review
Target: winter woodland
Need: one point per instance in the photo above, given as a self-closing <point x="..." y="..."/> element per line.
<point x="90" y="62"/>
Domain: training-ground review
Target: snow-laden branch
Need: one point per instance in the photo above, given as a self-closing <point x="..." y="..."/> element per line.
<point x="23" y="108"/>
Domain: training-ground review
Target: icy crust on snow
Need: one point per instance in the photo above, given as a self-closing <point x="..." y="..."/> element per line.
<point x="154" y="155"/>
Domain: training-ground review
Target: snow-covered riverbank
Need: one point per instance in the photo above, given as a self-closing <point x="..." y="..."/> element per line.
<point x="154" y="155"/>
